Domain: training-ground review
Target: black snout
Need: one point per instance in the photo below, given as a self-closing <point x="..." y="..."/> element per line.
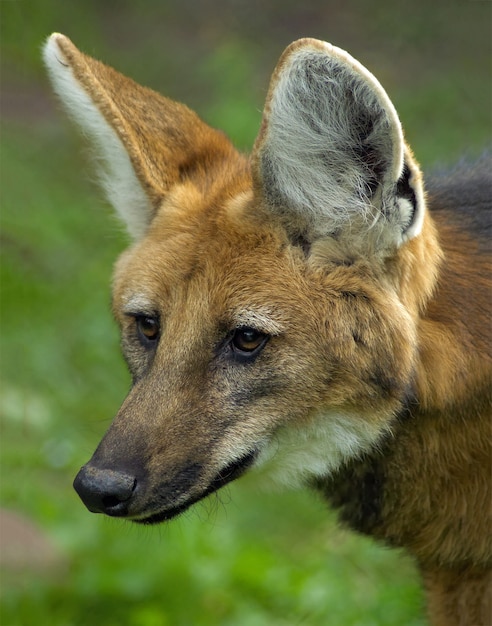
<point x="104" y="490"/>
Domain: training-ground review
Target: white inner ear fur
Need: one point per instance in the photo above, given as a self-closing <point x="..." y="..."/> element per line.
<point x="333" y="149"/>
<point x="114" y="168"/>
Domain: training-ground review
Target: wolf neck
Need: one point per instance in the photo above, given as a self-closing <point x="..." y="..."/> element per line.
<point x="297" y="455"/>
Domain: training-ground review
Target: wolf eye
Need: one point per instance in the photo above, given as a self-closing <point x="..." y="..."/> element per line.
<point x="248" y="341"/>
<point x="148" y="327"/>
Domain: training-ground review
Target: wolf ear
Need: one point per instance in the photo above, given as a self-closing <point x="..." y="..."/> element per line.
<point x="145" y="142"/>
<point x="330" y="155"/>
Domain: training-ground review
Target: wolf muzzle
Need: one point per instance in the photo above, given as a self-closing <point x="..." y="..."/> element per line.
<point x="120" y="493"/>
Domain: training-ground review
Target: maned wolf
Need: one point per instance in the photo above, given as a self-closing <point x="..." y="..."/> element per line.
<point x="310" y="309"/>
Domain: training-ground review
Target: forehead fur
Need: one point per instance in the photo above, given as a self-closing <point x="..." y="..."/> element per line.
<point x="193" y="236"/>
<point x="238" y="256"/>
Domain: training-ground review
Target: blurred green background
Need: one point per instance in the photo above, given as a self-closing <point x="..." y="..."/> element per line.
<point x="244" y="557"/>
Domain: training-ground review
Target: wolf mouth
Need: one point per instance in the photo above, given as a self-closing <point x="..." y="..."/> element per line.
<point x="225" y="476"/>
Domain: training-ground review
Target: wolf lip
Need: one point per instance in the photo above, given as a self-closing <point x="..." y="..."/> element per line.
<point x="225" y="476"/>
<point x="232" y="471"/>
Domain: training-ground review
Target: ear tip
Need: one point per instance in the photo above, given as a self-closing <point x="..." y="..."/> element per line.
<point x="321" y="47"/>
<point x="304" y="44"/>
<point x="54" y="47"/>
<point x="56" y="39"/>
<point x="56" y="35"/>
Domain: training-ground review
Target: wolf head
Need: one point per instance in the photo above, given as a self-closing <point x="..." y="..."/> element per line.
<point x="268" y="306"/>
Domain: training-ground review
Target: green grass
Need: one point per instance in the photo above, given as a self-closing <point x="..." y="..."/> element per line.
<point x="244" y="557"/>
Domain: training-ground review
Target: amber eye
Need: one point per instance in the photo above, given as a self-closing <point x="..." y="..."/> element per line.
<point x="148" y="327"/>
<point x="248" y="340"/>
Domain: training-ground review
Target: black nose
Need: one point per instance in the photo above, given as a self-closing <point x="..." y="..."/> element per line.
<point x="104" y="490"/>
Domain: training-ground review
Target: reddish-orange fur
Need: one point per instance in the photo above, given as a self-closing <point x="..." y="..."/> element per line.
<point x="399" y="340"/>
